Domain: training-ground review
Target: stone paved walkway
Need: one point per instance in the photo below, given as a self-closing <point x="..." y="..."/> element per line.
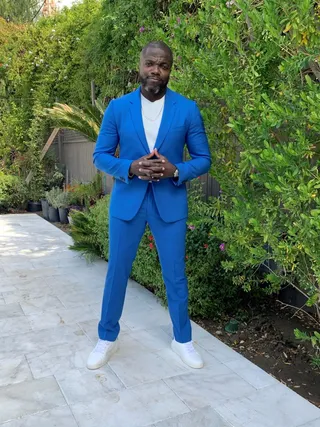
<point x="49" y="308"/>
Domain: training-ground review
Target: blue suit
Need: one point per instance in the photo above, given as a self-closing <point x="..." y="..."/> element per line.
<point x="162" y="205"/>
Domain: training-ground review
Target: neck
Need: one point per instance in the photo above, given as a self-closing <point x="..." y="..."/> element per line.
<point x="152" y="96"/>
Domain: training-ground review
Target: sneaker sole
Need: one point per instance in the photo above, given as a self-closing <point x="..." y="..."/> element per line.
<point x="199" y="366"/>
<point x="105" y="360"/>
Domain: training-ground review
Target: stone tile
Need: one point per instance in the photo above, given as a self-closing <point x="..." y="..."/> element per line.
<point x="26" y="294"/>
<point x="59" y="359"/>
<point x="83" y="385"/>
<point x="31" y="274"/>
<point x="251" y="373"/>
<point x="218" y="349"/>
<point x="51" y="319"/>
<point x="138" y="406"/>
<point x="199" y="333"/>
<point x="205" y="417"/>
<point x="141" y="367"/>
<point x="90" y="328"/>
<point x="14" y="283"/>
<point x="2" y="301"/>
<point x="207" y="388"/>
<point x="77" y="298"/>
<point x="270" y="406"/>
<point x="134" y="304"/>
<point x="13" y="269"/>
<point x="153" y="339"/>
<point x="41" y="304"/>
<point x="14" y="370"/>
<point x="57" y="417"/>
<point x="314" y="423"/>
<point x="212" y="366"/>
<point x="146" y="318"/>
<point x="29" y="397"/>
<point x="59" y="261"/>
<point x="41" y="340"/>
<point x="10" y="310"/>
<point x="14" y="325"/>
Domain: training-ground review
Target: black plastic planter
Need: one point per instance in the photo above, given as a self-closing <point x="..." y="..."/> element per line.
<point x="53" y="214"/>
<point x="34" y="206"/>
<point x="45" y="208"/>
<point x="63" y="214"/>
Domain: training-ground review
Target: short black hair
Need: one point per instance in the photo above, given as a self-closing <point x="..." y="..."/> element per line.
<point x="158" y="44"/>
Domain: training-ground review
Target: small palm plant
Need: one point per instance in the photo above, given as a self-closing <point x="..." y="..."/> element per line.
<point x="86" y="121"/>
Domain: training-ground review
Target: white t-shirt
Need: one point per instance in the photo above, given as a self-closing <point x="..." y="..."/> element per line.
<point x="151" y="116"/>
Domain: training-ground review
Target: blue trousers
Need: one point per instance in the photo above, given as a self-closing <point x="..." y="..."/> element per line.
<point x="124" y="239"/>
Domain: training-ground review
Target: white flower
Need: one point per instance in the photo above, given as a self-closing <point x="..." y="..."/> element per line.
<point x="53" y="31"/>
<point x="31" y="90"/>
<point x="30" y="52"/>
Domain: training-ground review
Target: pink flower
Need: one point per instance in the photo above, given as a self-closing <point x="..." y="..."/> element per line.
<point x="222" y="247"/>
<point x="179" y="20"/>
<point x="187" y="257"/>
<point x="191" y="227"/>
<point x="150" y="238"/>
<point x="151" y="245"/>
<point x="206" y="245"/>
<point x="141" y="29"/>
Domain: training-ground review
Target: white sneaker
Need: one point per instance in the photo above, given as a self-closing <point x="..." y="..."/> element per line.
<point x="101" y="353"/>
<point x="188" y="354"/>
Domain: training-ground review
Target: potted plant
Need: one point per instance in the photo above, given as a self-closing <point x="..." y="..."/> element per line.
<point x="53" y="199"/>
<point x="34" y="195"/>
<point x="62" y="203"/>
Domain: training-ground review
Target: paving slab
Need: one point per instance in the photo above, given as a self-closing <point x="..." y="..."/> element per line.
<point x="50" y="303"/>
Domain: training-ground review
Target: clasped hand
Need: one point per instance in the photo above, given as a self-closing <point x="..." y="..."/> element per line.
<point x="149" y="169"/>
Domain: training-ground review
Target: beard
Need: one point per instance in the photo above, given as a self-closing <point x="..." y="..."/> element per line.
<point x="153" y="87"/>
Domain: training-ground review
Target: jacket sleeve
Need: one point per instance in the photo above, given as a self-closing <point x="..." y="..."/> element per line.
<point x="106" y="145"/>
<point x="198" y="147"/>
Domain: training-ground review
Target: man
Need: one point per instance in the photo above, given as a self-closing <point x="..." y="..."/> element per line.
<point x="151" y="125"/>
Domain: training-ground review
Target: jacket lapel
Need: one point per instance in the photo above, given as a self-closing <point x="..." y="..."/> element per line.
<point x="167" y="118"/>
<point x="135" y="109"/>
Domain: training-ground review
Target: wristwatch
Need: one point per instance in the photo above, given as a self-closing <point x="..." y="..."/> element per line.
<point x="176" y="173"/>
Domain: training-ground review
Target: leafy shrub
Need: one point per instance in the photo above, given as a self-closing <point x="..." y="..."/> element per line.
<point x="53" y="196"/>
<point x="13" y="192"/>
<point x="83" y="234"/>
<point x="86" y="194"/>
<point x="62" y="199"/>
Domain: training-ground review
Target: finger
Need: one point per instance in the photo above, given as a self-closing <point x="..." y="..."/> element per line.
<point x="150" y="155"/>
<point x="157" y="154"/>
<point x="157" y="175"/>
<point x="150" y="163"/>
<point x="147" y="172"/>
<point x="160" y="156"/>
<point x="146" y="178"/>
<point x="157" y="169"/>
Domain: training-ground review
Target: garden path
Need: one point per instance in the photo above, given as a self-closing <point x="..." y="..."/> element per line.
<point x="49" y="309"/>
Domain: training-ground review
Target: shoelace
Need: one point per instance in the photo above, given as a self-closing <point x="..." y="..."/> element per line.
<point x="189" y="347"/>
<point x="101" y="346"/>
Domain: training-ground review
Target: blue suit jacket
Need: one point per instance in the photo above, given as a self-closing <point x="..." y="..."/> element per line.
<point x="181" y="125"/>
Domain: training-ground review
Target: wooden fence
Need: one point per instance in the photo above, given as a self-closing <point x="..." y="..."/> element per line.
<point x="75" y="153"/>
